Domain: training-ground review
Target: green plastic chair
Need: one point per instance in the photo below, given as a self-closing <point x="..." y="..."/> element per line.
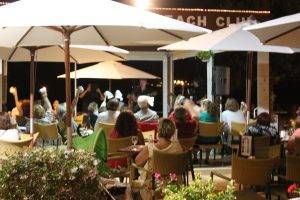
<point x="96" y="142"/>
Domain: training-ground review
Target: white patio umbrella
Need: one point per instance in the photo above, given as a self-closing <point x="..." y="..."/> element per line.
<point x="232" y="38"/>
<point x="110" y="70"/>
<point x="79" y="54"/>
<point x="101" y="22"/>
<point x="284" y="31"/>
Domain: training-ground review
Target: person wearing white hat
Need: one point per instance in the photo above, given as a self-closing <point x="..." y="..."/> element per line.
<point x="145" y="114"/>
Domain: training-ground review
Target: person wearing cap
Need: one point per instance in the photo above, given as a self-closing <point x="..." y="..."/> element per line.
<point x="145" y="114"/>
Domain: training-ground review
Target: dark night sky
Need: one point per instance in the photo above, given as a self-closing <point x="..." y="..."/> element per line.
<point x="18" y="73"/>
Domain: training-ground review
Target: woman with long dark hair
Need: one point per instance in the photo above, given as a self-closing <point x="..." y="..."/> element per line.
<point x="126" y="126"/>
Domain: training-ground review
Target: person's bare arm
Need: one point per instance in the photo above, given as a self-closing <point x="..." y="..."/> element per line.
<point x="142" y="157"/>
<point x="75" y="100"/>
<point x="14" y="92"/>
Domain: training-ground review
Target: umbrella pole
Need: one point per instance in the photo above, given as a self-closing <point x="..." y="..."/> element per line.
<point x="249" y="80"/>
<point x="32" y="81"/>
<point x="109" y="84"/>
<point x="66" y="34"/>
<point x="75" y="86"/>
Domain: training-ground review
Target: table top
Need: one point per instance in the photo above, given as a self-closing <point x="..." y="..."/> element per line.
<point x="132" y="149"/>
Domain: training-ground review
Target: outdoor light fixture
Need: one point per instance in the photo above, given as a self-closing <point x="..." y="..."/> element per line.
<point x="143" y="4"/>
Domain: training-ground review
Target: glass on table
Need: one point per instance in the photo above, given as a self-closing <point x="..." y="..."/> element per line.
<point x="134" y="140"/>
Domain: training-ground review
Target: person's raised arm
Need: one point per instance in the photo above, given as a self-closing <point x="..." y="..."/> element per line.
<point x="46" y="102"/>
<point x="88" y="89"/>
<point x="14" y="92"/>
<point x="79" y="91"/>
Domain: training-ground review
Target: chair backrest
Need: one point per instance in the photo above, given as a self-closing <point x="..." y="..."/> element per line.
<point x="238" y="128"/>
<point x="146" y="126"/>
<point x="166" y="163"/>
<point x="48" y="131"/>
<point x="252" y="172"/>
<point x="261" y="141"/>
<point x="293" y="168"/>
<point x="95" y="142"/>
<point x="210" y="129"/>
<point x="108" y="128"/>
<point x="268" y="152"/>
<point x="297" y="145"/>
<point x="187" y="142"/>
<point x="148" y="134"/>
<point x="115" y="144"/>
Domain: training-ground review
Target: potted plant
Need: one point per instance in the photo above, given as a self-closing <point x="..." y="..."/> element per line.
<point x="205" y="55"/>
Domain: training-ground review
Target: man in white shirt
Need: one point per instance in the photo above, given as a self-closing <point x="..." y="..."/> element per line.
<point x="110" y="116"/>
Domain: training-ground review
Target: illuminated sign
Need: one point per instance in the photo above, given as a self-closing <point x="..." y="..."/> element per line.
<point x="211" y="18"/>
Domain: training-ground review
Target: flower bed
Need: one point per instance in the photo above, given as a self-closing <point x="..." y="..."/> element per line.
<point x="170" y="189"/>
<point x="51" y="174"/>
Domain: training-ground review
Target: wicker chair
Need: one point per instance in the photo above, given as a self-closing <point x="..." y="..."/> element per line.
<point x="146" y="126"/>
<point x="164" y="163"/>
<point x="279" y="189"/>
<point x="113" y="153"/>
<point x="210" y="129"/>
<point x="188" y="144"/>
<point x="250" y="172"/>
<point x="266" y="152"/>
<point x="108" y="128"/>
<point x="297" y="146"/>
<point x="293" y="168"/>
<point x="167" y="163"/>
<point x="261" y="141"/>
<point x="237" y="129"/>
<point x="48" y="132"/>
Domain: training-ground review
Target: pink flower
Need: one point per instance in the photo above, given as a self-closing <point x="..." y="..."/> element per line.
<point x="292" y="188"/>
<point x="157" y="176"/>
<point x="173" y="177"/>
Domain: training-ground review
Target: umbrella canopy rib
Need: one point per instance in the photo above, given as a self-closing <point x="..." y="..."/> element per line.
<point x="101" y="35"/>
<point x="172" y="34"/>
<point x="60" y="47"/>
<point x="282" y="34"/>
<point x="20" y="40"/>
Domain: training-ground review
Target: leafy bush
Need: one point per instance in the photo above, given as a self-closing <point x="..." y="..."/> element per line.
<point x="204" y="55"/>
<point x="172" y="190"/>
<point x="51" y="174"/>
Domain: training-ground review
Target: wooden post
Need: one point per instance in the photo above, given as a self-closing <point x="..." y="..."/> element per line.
<point x="32" y="81"/>
<point x="67" y="34"/>
<point x="263" y="84"/>
<point x="168" y="82"/>
<point x="209" y="68"/>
